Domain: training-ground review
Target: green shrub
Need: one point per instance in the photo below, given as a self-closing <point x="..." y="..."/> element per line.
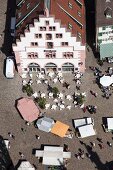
<point x="55" y="92"/>
<point x="100" y="62"/>
<point x="80" y="99"/>
<point x="41" y="102"/>
<point x="28" y="89"/>
<point x="24" y="89"/>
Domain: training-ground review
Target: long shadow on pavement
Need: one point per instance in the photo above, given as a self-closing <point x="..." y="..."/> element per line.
<point x="95" y="158"/>
<point x="5" y="160"/>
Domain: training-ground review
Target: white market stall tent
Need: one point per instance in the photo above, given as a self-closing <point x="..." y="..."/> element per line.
<point x="53" y="155"/>
<point x="86" y="131"/>
<point x="108" y="127"/>
<point x="106" y="80"/>
<point x="25" y="165"/>
<point x="83" y="121"/>
<point x="110" y="123"/>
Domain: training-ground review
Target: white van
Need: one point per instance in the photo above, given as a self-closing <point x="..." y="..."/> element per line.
<point x="9" y="67"/>
<point x="12" y="27"/>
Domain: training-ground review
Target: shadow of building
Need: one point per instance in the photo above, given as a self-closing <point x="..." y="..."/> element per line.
<point x="94" y="157"/>
<point x="5" y="160"/>
<point x="8" y="39"/>
<point x="90" y="21"/>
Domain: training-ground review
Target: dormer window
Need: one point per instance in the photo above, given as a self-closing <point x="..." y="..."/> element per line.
<point x="48" y="36"/>
<point x="47" y="22"/>
<point x="49" y="44"/>
<point x="108" y="12"/>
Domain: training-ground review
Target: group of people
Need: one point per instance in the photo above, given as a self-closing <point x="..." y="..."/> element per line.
<point x="81" y="153"/>
<point x="90" y="108"/>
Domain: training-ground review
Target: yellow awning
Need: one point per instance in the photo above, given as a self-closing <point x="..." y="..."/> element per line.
<point x="60" y="129"/>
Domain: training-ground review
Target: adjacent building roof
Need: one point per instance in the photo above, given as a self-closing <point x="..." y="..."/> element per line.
<point x="101" y="6"/>
<point x="106" y="50"/>
<point x="60" y="129"/>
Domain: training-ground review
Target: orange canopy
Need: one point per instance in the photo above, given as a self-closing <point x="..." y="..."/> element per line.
<point x="60" y="129"/>
<point x="28" y="109"/>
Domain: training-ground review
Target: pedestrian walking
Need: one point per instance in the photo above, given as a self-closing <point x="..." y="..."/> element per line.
<point x="93" y="144"/>
<point x="11" y="135"/>
<point x="109" y="143"/>
<point x="100" y="140"/>
<point x="21" y="154"/>
<point x="88" y="155"/>
<point x="92" y="92"/>
<point x="82" y="156"/>
<point x="95" y="94"/>
<point x="77" y="87"/>
<point x="37" y="137"/>
<point x="81" y="142"/>
<point x="101" y="146"/>
<point x="78" y="156"/>
<point x="84" y="109"/>
<point x="23" y="130"/>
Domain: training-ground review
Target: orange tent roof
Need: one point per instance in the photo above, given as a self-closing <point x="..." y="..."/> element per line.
<point x="60" y="129"/>
<point x="28" y="109"/>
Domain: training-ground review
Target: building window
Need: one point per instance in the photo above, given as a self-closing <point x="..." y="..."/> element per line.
<point x="68" y="55"/>
<point x="49" y="44"/>
<point x="32" y="55"/>
<point x="48" y="36"/>
<point x="100" y="34"/>
<point x="52" y="28"/>
<point x="79" y="3"/>
<point x="58" y="35"/>
<point x="28" y="5"/>
<point x="103" y="28"/>
<point x="42" y="28"/>
<point x="99" y="41"/>
<point x="38" y="35"/>
<point x="80" y="63"/>
<point x="19" y="14"/>
<point x="64" y="43"/>
<point x="108" y="12"/>
<point x="79" y="35"/>
<point x="70" y="26"/>
<point x="79" y="13"/>
<point x="34" y="44"/>
<point x="70" y="5"/>
<point x="50" y="55"/>
<point x="18" y="64"/>
<point x="47" y="22"/>
<point x="25" y="69"/>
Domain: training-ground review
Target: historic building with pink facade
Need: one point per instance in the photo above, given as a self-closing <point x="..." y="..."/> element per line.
<point x="47" y="45"/>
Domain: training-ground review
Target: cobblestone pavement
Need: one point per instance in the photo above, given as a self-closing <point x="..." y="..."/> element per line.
<point x="10" y="120"/>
